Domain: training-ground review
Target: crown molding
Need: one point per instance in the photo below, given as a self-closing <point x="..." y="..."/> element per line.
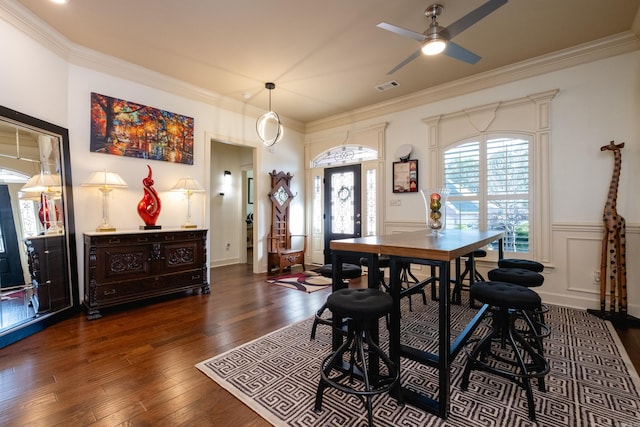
<point x="24" y="20"/>
<point x="588" y="52"/>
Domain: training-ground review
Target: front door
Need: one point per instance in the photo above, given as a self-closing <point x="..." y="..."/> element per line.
<point x="342" y="206"/>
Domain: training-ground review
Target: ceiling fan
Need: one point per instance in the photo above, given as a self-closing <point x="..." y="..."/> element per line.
<point x="437" y="39"/>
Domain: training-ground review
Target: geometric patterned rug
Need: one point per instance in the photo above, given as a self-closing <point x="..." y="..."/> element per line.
<point x="308" y="281"/>
<point x="591" y="380"/>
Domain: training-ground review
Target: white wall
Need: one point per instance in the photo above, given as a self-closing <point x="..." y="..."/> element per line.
<point x="40" y="83"/>
<point x="33" y="80"/>
<point x="597" y="102"/>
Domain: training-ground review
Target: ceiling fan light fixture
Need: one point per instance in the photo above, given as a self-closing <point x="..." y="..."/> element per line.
<point x="433" y="43"/>
<point x="433" y="46"/>
<point x="269" y="126"/>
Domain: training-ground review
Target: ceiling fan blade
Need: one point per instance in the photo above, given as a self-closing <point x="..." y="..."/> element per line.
<point x="410" y="58"/>
<point x="402" y="31"/>
<point x="472" y="17"/>
<point x="458" y="52"/>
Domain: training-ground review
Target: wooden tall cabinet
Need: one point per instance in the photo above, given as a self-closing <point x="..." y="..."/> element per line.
<point x="283" y="248"/>
<point x="123" y="267"/>
<point x="45" y="255"/>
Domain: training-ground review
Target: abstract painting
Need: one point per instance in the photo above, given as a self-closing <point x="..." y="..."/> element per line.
<point x="125" y="128"/>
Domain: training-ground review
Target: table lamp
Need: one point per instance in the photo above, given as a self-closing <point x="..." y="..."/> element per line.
<point x="105" y="182"/>
<point x="46" y="185"/>
<point x="188" y="186"/>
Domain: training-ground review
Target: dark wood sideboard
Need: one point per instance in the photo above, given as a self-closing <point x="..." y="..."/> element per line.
<point x="122" y="267"/>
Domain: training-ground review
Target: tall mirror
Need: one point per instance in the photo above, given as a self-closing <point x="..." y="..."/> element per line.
<point x="38" y="271"/>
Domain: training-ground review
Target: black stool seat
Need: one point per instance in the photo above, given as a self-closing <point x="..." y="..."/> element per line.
<point x="479" y="253"/>
<point x="504" y="351"/>
<point x="527" y="264"/>
<point x="518" y="276"/>
<point x="363" y="307"/>
<point x="349" y="271"/>
<point x="506" y="295"/>
<point x="361" y="303"/>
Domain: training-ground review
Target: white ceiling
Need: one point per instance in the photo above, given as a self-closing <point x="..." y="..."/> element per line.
<point x="326" y="57"/>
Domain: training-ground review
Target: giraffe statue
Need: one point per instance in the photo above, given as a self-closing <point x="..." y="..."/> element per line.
<point x="613" y="244"/>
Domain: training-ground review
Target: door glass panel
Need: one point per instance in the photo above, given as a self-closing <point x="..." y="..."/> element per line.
<point x="371" y="202"/>
<point x="342" y="203"/>
<point x="344" y="155"/>
<point x="317" y="204"/>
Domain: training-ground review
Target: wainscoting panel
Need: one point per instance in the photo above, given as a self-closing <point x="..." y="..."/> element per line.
<point x="576" y="257"/>
<point x="583" y="259"/>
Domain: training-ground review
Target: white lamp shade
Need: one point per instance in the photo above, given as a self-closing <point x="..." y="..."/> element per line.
<point x="105" y="179"/>
<point x="36" y="195"/>
<point x="188" y="184"/>
<point x="43" y="182"/>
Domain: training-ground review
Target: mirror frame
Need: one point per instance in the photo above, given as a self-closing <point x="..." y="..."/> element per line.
<point x="38" y="323"/>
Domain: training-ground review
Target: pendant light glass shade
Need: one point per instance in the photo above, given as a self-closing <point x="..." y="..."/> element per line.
<point x="269" y="126"/>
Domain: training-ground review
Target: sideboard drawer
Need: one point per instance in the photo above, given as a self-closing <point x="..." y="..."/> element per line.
<point x="119" y="290"/>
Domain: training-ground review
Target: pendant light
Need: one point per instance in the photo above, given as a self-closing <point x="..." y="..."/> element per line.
<point x="269" y="126"/>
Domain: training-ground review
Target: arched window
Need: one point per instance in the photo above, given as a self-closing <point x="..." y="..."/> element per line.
<point x="495" y="161"/>
<point x="488" y="178"/>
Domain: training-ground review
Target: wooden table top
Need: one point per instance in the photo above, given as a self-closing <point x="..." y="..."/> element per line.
<point x="420" y="244"/>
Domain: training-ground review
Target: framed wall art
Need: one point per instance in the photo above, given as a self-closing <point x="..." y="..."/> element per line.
<point x="405" y="176"/>
<point x="125" y="128"/>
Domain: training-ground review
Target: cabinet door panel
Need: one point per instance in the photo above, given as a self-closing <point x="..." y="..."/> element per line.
<point x="182" y="255"/>
<point x="126" y="262"/>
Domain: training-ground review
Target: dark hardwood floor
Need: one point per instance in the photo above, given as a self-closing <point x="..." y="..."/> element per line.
<point x="135" y="366"/>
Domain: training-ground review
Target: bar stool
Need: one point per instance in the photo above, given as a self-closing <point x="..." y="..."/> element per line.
<point x="349" y="271"/>
<point x="523" y="277"/>
<point x="383" y="262"/>
<point x="346" y="369"/>
<point x="410" y="283"/>
<point x="469" y="270"/>
<point x="504" y="351"/>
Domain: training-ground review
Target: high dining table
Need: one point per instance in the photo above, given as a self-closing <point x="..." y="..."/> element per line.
<point x="418" y="247"/>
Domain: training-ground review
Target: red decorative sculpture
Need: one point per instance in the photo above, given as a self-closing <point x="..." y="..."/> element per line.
<point x="47" y="219"/>
<point x="149" y="206"/>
